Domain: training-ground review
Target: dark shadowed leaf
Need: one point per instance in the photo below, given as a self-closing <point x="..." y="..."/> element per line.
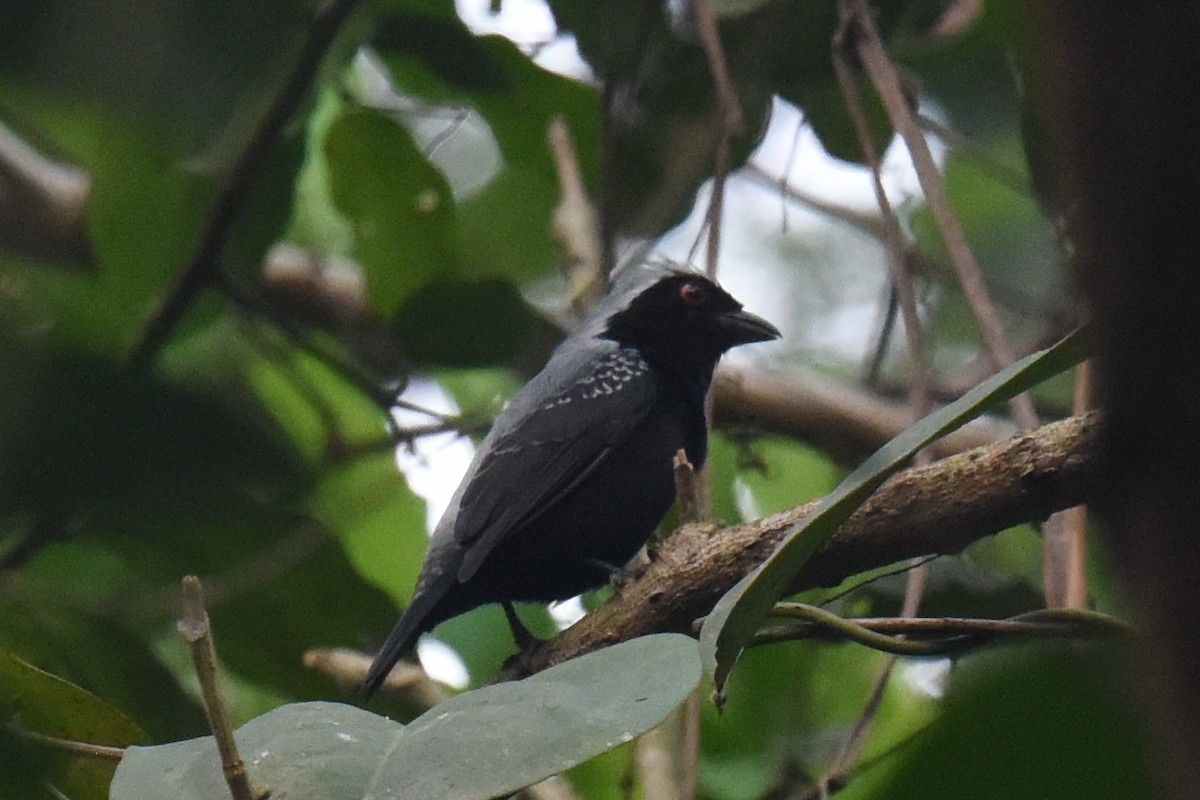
<point x="458" y="323"/>
<point x="1061" y="719"/>
<point x="95" y="652"/>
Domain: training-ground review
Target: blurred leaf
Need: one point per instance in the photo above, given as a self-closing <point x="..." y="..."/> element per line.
<point x="735" y="617"/>
<point x="762" y="734"/>
<point x="72" y="633"/>
<point x="99" y="655"/>
<point x="304" y="593"/>
<point x="500" y="325"/>
<point x="197" y="72"/>
<point x="144" y="214"/>
<point x="399" y="205"/>
<point x="380" y="522"/>
<point x="973" y="77"/>
<point x="1058" y="718"/>
<point x="504" y="229"/>
<point x="517" y="100"/>
<point x="780" y="473"/>
<point x="548" y="722"/>
<point x="44" y="705"/>
<point x="518" y="108"/>
<point x="100" y="439"/>
<point x="825" y="110"/>
<point x="1006" y="229"/>
<point x="603" y="777"/>
<point x="445" y="46"/>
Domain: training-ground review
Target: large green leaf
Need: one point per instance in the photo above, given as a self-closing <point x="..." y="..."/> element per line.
<point x="399" y="206"/>
<point x="737" y="614"/>
<point x="482" y="744"/>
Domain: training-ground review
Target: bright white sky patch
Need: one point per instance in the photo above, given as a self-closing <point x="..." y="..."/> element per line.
<point x="928" y="677"/>
<point x="567" y="613"/>
<point x="442" y="663"/>
<point x="434" y="465"/>
<point x="526" y="22"/>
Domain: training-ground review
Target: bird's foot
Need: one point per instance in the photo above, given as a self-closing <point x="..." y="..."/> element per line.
<point x="520" y="663"/>
<point x="524" y="638"/>
<point x="620" y="577"/>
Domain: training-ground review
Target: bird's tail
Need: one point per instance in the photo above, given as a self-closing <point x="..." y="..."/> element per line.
<point x="418" y="618"/>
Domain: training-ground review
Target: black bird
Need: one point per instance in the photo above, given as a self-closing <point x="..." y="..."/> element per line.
<point x="577" y="473"/>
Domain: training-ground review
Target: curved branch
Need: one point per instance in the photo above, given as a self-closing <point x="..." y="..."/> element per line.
<point x="939" y="509"/>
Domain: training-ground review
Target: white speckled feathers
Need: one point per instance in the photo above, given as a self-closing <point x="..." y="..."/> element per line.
<point x="533" y="459"/>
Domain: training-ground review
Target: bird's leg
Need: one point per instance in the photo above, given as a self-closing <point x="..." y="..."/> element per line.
<point x="618" y="576"/>
<point x="525" y="640"/>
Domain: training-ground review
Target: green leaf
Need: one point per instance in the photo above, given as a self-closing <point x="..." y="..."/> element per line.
<point x="736" y="616"/>
<point x="500" y="327"/>
<point x="482" y="744"/>
<point x="1063" y="719"/>
<point x="400" y="207"/>
<point x="380" y="522"/>
<point x="503" y="227"/>
<point x="89" y="649"/>
<point x="41" y="704"/>
<point x="825" y="110"/>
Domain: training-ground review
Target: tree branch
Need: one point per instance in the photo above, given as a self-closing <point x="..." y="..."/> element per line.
<point x="937" y="509"/>
<point x="846" y="422"/>
<point x="204" y="269"/>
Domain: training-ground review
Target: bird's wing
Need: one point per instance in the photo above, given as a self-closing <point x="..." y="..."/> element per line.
<point x="559" y="430"/>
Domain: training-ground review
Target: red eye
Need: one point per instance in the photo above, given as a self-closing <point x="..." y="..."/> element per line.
<point x="693" y="294"/>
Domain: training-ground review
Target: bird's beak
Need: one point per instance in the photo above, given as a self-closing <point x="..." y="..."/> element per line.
<point x="742" y="327"/>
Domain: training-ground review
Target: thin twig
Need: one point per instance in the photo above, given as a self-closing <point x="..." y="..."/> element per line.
<point x="1075" y="519"/>
<point x="929" y="636"/>
<point x="689" y="747"/>
<point x="196" y="630"/>
<point x="687" y="490"/>
<point x="67" y="745"/>
<point x="886" y="79"/>
<point x="731" y="122"/>
<point x="919" y="394"/>
<point x="893" y="240"/>
<point x="204" y="270"/>
<point x="574" y="222"/>
<point x="870" y="225"/>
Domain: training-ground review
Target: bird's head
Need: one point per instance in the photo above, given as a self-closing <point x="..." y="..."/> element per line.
<point x="684" y="317"/>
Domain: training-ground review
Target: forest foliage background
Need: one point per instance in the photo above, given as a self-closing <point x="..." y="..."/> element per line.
<point x="231" y="232"/>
